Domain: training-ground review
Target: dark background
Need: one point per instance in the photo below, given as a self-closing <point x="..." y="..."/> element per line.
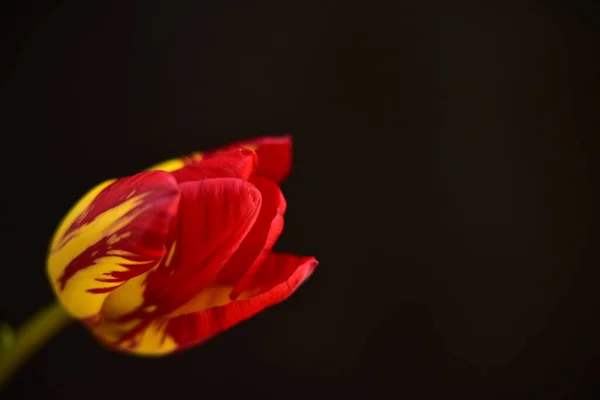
<point x="443" y="177"/>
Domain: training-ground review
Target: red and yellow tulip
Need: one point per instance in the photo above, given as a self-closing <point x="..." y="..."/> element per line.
<point x="165" y="259"/>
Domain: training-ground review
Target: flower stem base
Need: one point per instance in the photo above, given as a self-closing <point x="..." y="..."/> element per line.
<point x="30" y="337"/>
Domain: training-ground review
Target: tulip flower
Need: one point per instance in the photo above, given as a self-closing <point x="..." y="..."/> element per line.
<point x="165" y="259"/>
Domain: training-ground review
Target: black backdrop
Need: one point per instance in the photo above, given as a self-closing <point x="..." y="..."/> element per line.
<point x="442" y="176"/>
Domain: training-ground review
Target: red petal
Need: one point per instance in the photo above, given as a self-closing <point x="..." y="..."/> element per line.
<point x="274" y="155"/>
<point x="283" y="274"/>
<point x="260" y="239"/>
<point x="113" y="234"/>
<point x="279" y="268"/>
<point x="215" y="215"/>
<point x="238" y="163"/>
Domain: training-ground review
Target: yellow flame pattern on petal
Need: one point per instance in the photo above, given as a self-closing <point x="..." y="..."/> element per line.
<point x="175" y="164"/>
<point x="168" y="165"/>
<point x="214" y="296"/>
<point x="75" y="297"/>
<point x="78" y="210"/>
<point x="153" y="341"/>
<point x="125" y="299"/>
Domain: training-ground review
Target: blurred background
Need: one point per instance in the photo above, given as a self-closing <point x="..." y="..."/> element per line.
<point x="443" y="177"/>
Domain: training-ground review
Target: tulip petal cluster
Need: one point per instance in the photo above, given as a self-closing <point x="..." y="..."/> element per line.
<point x="163" y="260"/>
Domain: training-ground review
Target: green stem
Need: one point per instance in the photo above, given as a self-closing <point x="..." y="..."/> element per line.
<point x="30" y="337"/>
